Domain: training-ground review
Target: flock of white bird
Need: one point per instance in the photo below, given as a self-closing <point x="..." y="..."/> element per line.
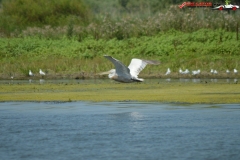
<point x="125" y="74"/>
<point x="40" y="72"/>
<point x="196" y="72"/>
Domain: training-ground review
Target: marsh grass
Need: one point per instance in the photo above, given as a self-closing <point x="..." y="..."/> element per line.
<point x="204" y="49"/>
<point x="79" y="22"/>
<point x="107" y="27"/>
<point x="147" y="92"/>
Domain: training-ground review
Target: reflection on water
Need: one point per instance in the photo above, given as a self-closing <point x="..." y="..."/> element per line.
<point x="97" y="81"/>
<point x="118" y="130"/>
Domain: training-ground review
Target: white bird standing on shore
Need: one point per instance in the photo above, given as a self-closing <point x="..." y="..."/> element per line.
<point x="211" y="71"/>
<point x="180" y="71"/>
<point x="41" y="73"/>
<point x="183" y="72"/>
<point x="196" y="72"/>
<point x="227" y="71"/>
<point x="128" y="74"/>
<point x="186" y="71"/>
<point x="235" y="71"/>
<point x="30" y="73"/>
<point x="215" y="72"/>
<point x="168" y="71"/>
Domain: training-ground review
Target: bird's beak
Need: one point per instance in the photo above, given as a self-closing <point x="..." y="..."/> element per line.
<point x="103" y="73"/>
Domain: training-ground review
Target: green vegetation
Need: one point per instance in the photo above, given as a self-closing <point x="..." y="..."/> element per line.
<point x="17" y="15"/>
<point x="147" y="92"/>
<point x="204" y="49"/>
<point x="107" y="18"/>
<point x="68" y="38"/>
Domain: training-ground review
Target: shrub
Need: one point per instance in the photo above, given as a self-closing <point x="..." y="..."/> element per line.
<point x="23" y="13"/>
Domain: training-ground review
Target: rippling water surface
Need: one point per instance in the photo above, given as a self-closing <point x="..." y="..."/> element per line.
<point x="120" y="130"/>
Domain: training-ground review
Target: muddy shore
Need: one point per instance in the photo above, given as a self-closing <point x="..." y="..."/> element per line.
<point x="166" y="92"/>
<point x="83" y="75"/>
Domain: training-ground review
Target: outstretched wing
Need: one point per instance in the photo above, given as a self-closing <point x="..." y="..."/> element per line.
<point x="137" y="65"/>
<point x="121" y="69"/>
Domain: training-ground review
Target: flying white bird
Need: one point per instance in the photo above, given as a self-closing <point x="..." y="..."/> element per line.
<point x="168" y="71"/>
<point x="41" y="72"/>
<point x="128" y="74"/>
<point x="30" y="73"/>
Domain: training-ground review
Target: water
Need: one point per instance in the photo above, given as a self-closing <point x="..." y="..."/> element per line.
<point x="100" y="81"/>
<point x="118" y="130"/>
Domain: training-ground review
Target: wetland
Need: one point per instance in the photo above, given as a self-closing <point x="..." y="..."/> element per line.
<point x="118" y="130"/>
<point x="101" y="90"/>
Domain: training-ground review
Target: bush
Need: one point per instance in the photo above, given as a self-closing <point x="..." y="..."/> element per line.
<point x="29" y="13"/>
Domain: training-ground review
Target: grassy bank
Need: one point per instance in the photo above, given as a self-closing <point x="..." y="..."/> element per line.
<point x="162" y="92"/>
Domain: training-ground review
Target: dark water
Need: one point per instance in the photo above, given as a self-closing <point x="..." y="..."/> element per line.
<point x="124" y="130"/>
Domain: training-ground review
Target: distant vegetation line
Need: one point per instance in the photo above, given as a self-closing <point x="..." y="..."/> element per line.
<point x="106" y="19"/>
<point x="67" y="37"/>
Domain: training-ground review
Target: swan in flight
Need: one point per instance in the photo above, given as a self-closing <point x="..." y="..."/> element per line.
<point x="128" y="74"/>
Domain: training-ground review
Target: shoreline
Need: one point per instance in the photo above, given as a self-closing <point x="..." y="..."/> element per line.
<point x="110" y="91"/>
<point x="96" y="76"/>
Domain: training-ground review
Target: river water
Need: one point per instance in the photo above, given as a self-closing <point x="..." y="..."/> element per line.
<point x="119" y="131"/>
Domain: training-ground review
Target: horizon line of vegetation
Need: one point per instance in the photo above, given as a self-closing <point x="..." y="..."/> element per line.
<point x="57" y="19"/>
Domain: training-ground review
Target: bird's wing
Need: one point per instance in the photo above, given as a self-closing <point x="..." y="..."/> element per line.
<point x="137" y="65"/>
<point x="121" y="69"/>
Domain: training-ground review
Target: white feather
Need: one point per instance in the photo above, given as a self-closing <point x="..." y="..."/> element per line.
<point x="123" y="73"/>
<point x="136" y="66"/>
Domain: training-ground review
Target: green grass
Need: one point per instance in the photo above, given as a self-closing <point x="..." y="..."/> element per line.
<point x="145" y="92"/>
<point x="203" y="49"/>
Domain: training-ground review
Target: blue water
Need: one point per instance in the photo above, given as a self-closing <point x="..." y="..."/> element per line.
<point x="119" y="131"/>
